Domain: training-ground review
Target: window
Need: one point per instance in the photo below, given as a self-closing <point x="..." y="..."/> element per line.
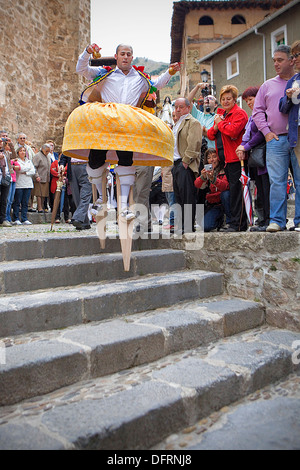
<point x="278" y="37"/>
<point x="238" y="19"/>
<point x="232" y="65"/>
<point x="206" y="21"/>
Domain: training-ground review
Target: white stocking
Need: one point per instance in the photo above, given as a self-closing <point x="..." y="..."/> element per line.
<point x="95" y="177"/>
<point x="162" y="211"/>
<point x="127" y="178"/>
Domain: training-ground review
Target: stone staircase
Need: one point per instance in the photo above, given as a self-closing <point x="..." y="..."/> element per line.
<point x="96" y="358"/>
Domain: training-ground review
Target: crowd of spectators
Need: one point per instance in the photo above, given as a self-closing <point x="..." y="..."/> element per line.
<point x="230" y="139"/>
<point x="28" y="180"/>
<point x="211" y="146"/>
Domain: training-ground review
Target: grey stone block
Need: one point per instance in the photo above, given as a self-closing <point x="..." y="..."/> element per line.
<point x="238" y="315"/>
<point x="64" y="247"/>
<point x="26" y="437"/>
<point x="133" y="419"/>
<point x="264" y="362"/>
<point x="61" y="246"/>
<point x="265" y="425"/>
<point x="39" y="312"/>
<point x="212" y="387"/>
<point x="186" y="329"/>
<point x="70" y="271"/>
<point x="17" y="250"/>
<point x="40" y="367"/>
<point x="118" y="345"/>
<point x="149" y="293"/>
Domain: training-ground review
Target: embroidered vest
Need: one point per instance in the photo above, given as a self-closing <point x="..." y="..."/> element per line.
<point x="92" y="93"/>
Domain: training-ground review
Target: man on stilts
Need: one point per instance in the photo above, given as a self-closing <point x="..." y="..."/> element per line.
<point x="123" y="85"/>
<point x="113" y="124"/>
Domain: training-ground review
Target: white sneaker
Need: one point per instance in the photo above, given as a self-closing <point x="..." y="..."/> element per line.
<point x="97" y="207"/>
<point x="273" y="227"/>
<point x="16" y="222"/>
<point x="127" y="214"/>
<point x="6" y="223"/>
<point x="27" y="222"/>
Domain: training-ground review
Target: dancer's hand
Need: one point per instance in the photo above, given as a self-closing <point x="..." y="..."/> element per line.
<point x="174" y="68"/>
<point x="95" y="50"/>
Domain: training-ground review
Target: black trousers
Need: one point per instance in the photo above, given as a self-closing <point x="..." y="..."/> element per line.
<point x="97" y="158"/>
<point x="263" y="195"/>
<point x="238" y="213"/>
<point x="185" y="194"/>
<point x="4" y="190"/>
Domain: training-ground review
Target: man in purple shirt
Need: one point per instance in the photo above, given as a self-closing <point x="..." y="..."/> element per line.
<point x="273" y="124"/>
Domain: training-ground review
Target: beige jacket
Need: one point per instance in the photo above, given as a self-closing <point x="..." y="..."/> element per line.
<point x="42" y="165"/>
<point x="167" y="179"/>
<point x="189" y="141"/>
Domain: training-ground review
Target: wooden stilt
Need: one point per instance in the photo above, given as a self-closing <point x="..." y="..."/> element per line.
<point x="125" y="227"/>
<point x="101" y="217"/>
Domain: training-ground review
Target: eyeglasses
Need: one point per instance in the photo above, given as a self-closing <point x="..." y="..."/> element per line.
<point x="294" y="56"/>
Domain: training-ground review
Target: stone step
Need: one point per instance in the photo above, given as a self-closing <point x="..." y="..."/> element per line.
<point x="59" y="358"/>
<point x="138" y="408"/>
<point x="65" y="245"/>
<point x="62" y="307"/>
<point x="32" y="275"/>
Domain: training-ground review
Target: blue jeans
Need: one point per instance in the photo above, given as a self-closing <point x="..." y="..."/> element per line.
<point x="10" y="200"/>
<point x="279" y="156"/>
<point x="170" y="196"/>
<point x="214" y="217"/>
<point x="21" y="199"/>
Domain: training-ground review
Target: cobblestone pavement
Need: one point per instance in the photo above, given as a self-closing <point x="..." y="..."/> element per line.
<point x="37" y="231"/>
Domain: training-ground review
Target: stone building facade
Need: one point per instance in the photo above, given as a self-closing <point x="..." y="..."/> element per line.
<point x="199" y="27"/>
<point x="40" y="43"/>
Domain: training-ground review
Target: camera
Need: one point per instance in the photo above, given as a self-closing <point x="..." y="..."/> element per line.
<point x="4" y="140"/>
<point x="205" y="91"/>
<point x="208" y="167"/>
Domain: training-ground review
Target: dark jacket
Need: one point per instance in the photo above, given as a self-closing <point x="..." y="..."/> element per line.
<point x="291" y="107"/>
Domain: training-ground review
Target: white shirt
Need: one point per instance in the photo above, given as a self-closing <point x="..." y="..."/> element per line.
<point x="177" y="156"/>
<point x="24" y="180"/>
<point x="118" y="87"/>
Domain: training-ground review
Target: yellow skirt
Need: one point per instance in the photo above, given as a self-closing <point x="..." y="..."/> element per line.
<point x="112" y="126"/>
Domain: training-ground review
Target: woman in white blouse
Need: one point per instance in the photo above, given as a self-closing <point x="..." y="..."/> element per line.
<point x="24" y="185"/>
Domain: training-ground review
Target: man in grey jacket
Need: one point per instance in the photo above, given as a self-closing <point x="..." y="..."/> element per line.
<point x="188" y="139"/>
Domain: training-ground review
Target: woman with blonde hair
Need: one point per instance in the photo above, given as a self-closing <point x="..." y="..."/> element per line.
<point x="227" y="132"/>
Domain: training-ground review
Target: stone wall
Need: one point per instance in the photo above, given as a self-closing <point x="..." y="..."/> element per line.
<point x="40" y="44"/>
<point x="264" y="267"/>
